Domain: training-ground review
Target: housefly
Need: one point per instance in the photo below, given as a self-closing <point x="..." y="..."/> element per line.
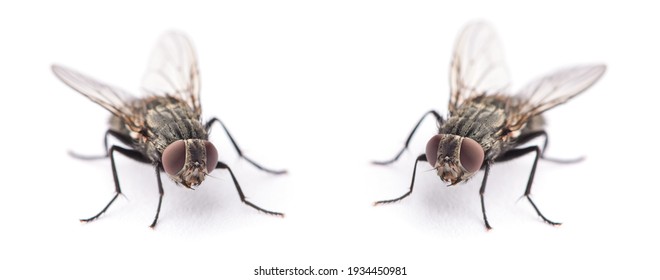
<point x="486" y="124"/>
<point x="165" y="127"/>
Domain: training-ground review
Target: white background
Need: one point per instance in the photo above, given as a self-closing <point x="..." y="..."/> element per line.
<point x="322" y="88"/>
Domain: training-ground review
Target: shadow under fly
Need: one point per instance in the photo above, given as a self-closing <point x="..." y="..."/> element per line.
<point x="486" y="124"/>
<point x="164" y="128"/>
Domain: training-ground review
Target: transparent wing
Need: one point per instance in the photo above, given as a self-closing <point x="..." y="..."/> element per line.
<point x="173" y="70"/>
<point x="478" y="64"/>
<point x="547" y="92"/>
<point x="113" y="99"/>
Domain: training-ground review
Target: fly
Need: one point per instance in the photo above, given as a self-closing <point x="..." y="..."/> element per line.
<point x="165" y="127"/>
<point x="486" y="124"/>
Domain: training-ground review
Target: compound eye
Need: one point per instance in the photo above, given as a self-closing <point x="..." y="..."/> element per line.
<point x="174" y="157"/>
<point x="432" y="149"/>
<point x="211" y="156"/>
<point x="472" y="155"/>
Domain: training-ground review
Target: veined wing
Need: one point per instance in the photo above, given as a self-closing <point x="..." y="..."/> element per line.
<point x="549" y="91"/>
<point x="113" y="99"/>
<point x="173" y="70"/>
<point x="478" y="65"/>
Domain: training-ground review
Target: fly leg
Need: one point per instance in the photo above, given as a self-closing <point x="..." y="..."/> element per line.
<point x="481" y="194"/>
<point x="122" y="137"/>
<point x="438" y="118"/>
<point x="129" y="153"/>
<point x="421" y="157"/>
<point x="160" y="197"/>
<point x="512" y="154"/>
<point x="222" y="165"/>
<point x="530" y="136"/>
<point x="238" y="150"/>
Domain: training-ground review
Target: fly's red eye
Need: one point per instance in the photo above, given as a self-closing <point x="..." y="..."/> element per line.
<point x="174" y="157"/>
<point x="432" y="149"/>
<point x="472" y="155"/>
<point x="211" y="156"/>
